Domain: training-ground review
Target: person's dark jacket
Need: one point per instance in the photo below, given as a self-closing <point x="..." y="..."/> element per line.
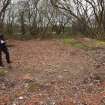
<point x="2" y="41"/>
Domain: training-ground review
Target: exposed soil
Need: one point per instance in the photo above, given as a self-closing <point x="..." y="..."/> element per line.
<point x="50" y="72"/>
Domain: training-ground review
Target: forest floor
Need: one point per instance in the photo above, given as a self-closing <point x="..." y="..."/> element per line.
<point x="54" y="72"/>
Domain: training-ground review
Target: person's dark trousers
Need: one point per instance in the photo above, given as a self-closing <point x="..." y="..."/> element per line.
<point x="1" y="63"/>
<point x="4" y="49"/>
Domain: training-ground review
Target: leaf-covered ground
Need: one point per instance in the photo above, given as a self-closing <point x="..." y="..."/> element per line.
<point x="54" y="72"/>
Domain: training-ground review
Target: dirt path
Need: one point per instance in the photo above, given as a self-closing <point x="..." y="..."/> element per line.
<point x="45" y="58"/>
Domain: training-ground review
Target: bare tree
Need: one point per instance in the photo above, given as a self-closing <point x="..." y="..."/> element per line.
<point x="3" y="6"/>
<point x="90" y="13"/>
<point x="41" y="17"/>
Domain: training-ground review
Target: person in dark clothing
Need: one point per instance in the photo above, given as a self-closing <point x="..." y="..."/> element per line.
<point x="4" y="49"/>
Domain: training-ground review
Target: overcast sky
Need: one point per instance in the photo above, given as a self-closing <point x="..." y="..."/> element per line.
<point x="15" y="0"/>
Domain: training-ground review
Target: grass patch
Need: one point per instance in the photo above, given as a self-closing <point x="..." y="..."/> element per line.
<point x="80" y="45"/>
<point x="86" y="45"/>
<point x="100" y="43"/>
<point x="3" y="72"/>
<point x="69" y="40"/>
<point x="75" y="43"/>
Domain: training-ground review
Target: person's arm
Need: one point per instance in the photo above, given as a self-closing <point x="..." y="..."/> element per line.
<point x="2" y="42"/>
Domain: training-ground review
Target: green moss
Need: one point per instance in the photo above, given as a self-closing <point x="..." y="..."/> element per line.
<point x="33" y="87"/>
<point x="3" y="72"/>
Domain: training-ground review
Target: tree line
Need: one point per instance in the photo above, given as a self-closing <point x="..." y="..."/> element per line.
<point x="50" y="18"/>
